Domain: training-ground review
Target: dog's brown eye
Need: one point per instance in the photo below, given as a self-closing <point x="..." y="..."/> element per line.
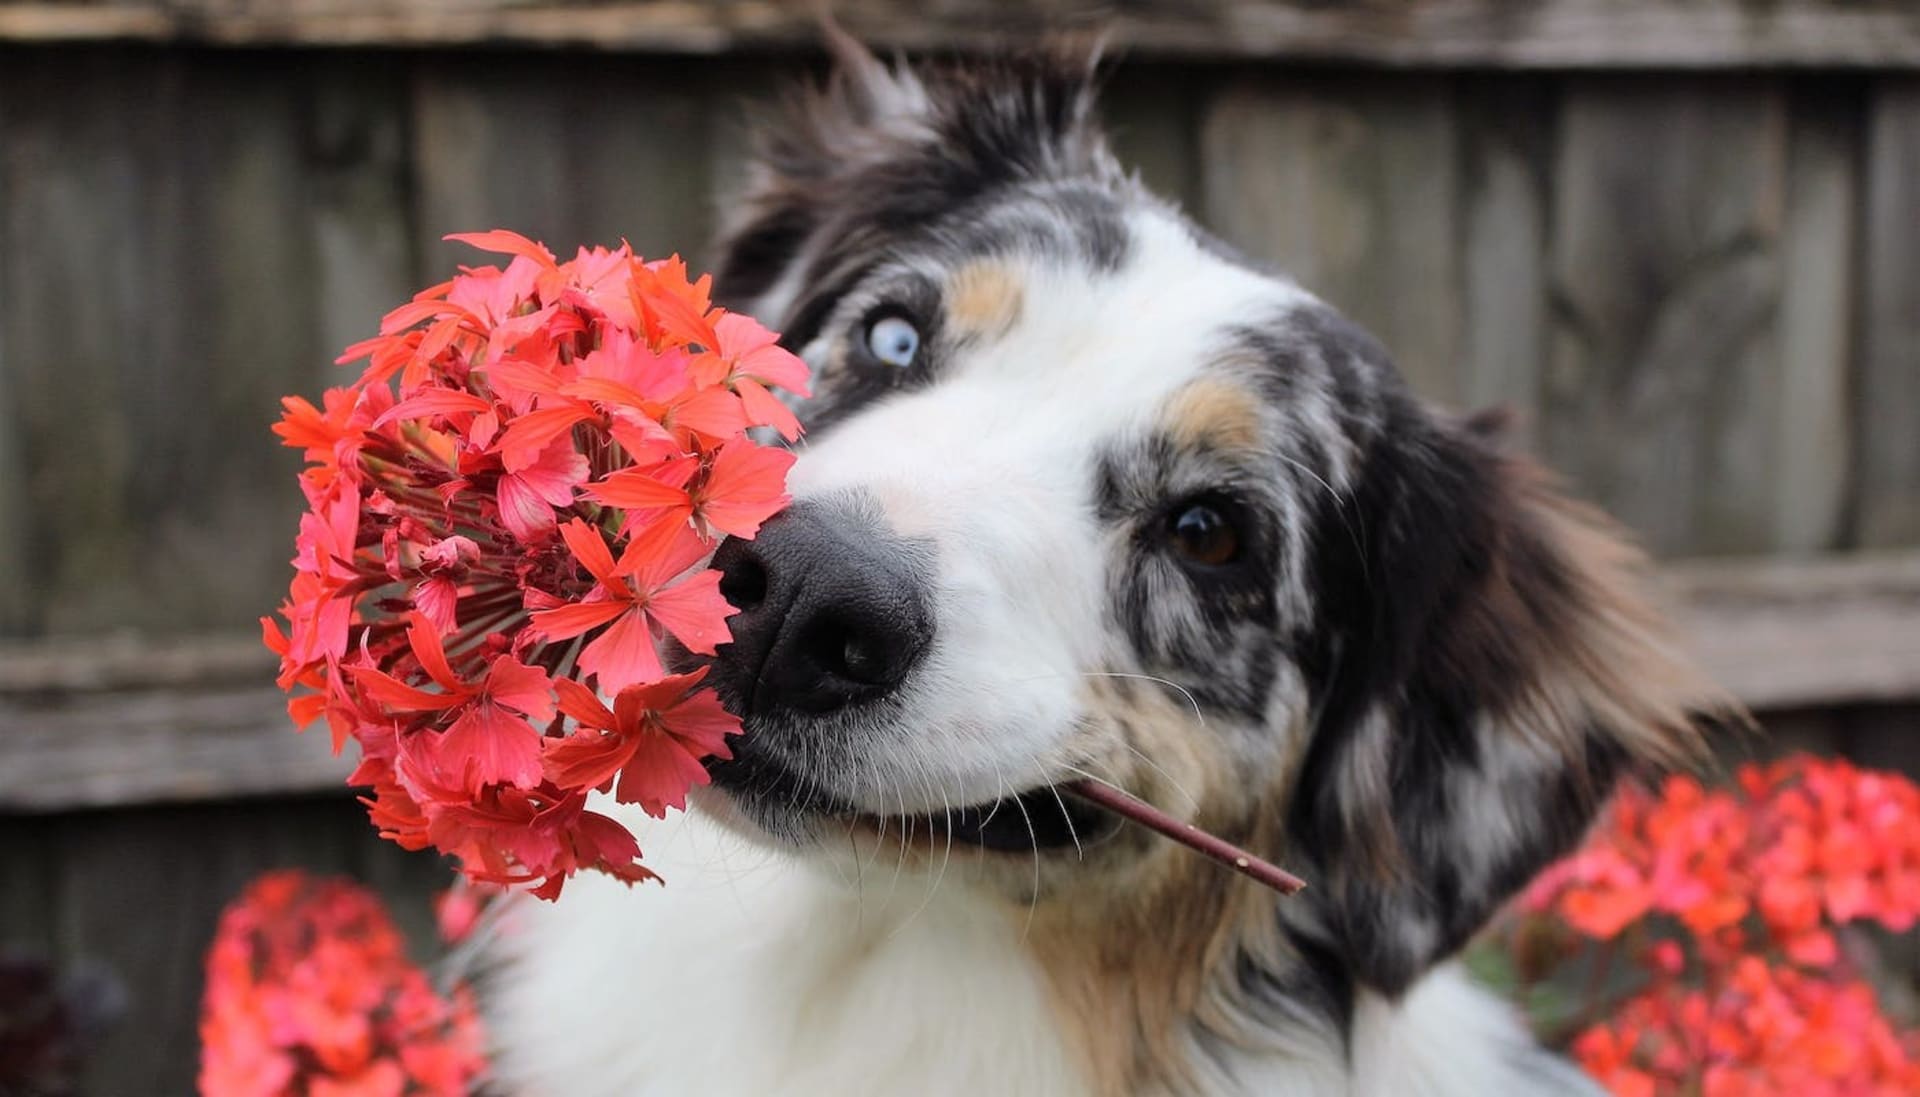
<point x="1202" y="534"/>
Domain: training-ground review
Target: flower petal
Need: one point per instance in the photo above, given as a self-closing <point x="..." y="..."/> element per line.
<point x="694" y="611"/>
<point x="569" y="621"/>
<point x="622" y="655"/>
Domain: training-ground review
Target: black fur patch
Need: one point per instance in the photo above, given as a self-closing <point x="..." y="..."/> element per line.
<point x="1392" y="641"/>
<point x="1212" y="629"/>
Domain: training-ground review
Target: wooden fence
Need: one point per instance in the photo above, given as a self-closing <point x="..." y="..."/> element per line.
<point x="1682" y="237"/>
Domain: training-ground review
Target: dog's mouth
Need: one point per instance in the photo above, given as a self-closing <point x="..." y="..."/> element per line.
<point x="1036" y="820"/>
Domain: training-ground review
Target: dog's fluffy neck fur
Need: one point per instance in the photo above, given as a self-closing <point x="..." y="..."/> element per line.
<point x="766" y="974"/>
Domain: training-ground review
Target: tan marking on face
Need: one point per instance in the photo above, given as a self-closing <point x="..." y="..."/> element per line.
<point x="984" y="299"/>
<point x="1140" y="958"/>
<point x="1213" y="414"/>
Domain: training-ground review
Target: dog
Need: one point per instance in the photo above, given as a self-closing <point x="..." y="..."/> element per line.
<point x="1086" y="495"/>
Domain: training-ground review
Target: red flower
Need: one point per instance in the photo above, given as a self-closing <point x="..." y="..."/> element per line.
<point x="642" y="589"/>
<point x="309" y="991"/>
<point x="489" y="738"/>
<point x="528" y="494"/>
<point x="1757" y="879"/>
<point x="741" y="487"/>
<point x="655" y="738"/>
<point x="433" y="612"/>
<point x="747" y="358"/>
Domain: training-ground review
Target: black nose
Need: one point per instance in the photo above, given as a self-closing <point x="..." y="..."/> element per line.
<point x="833" y="612"/>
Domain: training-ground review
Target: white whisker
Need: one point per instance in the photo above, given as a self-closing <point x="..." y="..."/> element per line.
<point x="1068" y="819"/>
<point x="1033" y="902"/>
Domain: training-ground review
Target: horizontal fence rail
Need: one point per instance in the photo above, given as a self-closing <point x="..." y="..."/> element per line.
<point x="115" y="723"/>
<point x="1446" y="33"/>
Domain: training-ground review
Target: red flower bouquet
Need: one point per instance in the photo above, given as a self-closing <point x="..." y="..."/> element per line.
<point x="309" y="992"/>
<point x="509" y="514"/>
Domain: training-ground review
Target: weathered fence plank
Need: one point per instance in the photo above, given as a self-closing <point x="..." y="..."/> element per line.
<point x="1889" y="404"/>
<point x="1663" y="373"/>
<point x="16" y="588"/>
<point x="158" y="300"/>
<point x="71" y="227"/>
<point x="145" y="746"/>
<point x="359" y="186"/>
<point x="26" y="886"/>
<point x="1555" y="33"/>
<point x="1807" y="435"/>
<point x="1783" y="634"/>
<point x="567" y="153"/>
<point x="1505" y="131"/>
<point x="1350" y="185"/>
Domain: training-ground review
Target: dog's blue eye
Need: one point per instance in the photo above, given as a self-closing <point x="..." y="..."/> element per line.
<point x="894" y="340"/>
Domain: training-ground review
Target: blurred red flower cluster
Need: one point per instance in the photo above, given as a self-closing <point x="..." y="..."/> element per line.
<point x="310" y="994"/>
<point x="1727" y="900"/>
<point x="508" y="513"/>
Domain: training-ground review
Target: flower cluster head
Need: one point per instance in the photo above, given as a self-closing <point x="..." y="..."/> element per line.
<point x="1759" y="1028"/>
<point x="508" y="515"/>
<point x="310" y="994"/>
<point x="1730" y="900"/>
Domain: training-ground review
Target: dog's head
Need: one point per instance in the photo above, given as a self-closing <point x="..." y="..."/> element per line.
<point x="1084" y="494"/>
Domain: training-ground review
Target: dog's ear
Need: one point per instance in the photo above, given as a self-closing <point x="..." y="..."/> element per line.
<point x="1485" y="666"/>
<point x="883" y="149"/>
<point x="864" y="111"/>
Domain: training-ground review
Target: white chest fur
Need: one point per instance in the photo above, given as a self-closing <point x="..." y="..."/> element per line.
<point x="751" y="974"/>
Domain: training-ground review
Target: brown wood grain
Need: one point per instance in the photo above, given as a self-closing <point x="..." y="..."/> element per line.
<point x="358" y="172"/>
<point x="1807" y="436"/>
<point x="1504" y="33"/>
<point x="16" y="586"/>
<point x="1153" y="117"/>
<point x="63" y="201"/>
<point x="26" y="886"/>
<point x="1800" y="634"/>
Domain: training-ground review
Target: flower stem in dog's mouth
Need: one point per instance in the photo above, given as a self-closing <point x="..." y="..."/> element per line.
<point x="1219" y="849"/>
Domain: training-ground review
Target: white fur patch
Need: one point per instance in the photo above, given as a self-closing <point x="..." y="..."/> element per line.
<point x="1445" y="1037"/>
<point x="993" y="466"/>
<point x="754" y="974"/>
